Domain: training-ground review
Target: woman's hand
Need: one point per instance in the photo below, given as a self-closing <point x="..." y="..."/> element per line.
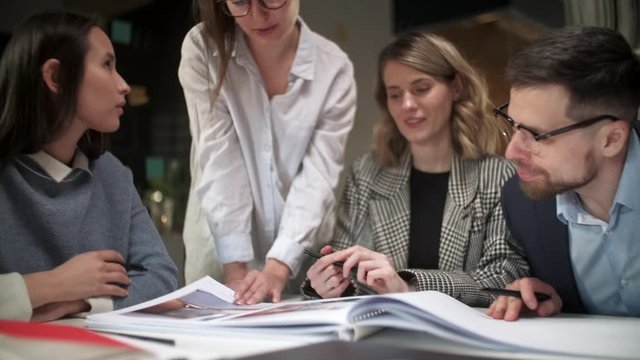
<point x="260" y="284"/>
<point x="234" y="274"/>
<point x="373" y="269"/>
<point x="87" y="275"/>
<point x="56" y="310"/>
<point x="325" y="278"/>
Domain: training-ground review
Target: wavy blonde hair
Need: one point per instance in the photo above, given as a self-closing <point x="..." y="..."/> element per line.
<point x="474" y="131"/>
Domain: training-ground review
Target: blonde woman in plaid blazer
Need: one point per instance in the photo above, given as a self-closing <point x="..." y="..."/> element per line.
<point x="436" y="121"/>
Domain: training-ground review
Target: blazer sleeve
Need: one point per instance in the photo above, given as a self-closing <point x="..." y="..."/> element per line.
<point x="497" y="265"/>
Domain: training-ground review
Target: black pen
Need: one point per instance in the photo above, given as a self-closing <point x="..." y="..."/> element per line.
<point x="317" y="255"/>
<point x="364" y="287"/>
<point x="136" y="269"/>
<point x="515" y="293"/>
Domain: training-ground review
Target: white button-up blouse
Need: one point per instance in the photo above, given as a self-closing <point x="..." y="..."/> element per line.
<point x="269" y="168"/>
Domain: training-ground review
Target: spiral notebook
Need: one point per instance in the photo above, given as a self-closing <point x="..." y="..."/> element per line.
<point x="206" y="307"/>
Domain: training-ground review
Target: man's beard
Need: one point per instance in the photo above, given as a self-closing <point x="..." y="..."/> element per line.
<point x="546" y="188"/>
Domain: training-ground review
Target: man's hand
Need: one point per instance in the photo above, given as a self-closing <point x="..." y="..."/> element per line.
<point x="260" y="284"/>
<point x="509" y="308"/>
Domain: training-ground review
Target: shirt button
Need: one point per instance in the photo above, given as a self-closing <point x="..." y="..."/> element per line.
<point x="623" y="282"/>
<point x="608" y="232"/>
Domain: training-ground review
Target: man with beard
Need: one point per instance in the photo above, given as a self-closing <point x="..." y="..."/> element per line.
<point x="574" y="207"/>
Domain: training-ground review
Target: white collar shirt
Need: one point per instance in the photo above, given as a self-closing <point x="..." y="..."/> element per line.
<point x="266" y="170"/>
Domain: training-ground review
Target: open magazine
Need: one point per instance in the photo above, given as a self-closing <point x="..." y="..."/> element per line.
<point x="206" y="306"/>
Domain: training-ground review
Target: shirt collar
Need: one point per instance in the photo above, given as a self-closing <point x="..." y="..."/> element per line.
<point x="304" y="62"/>
<point x="568" y="204"/>
<point x="568" y="207"/>
<point x="58" y="170"/>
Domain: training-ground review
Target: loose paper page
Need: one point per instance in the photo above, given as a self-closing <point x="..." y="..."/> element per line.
<point x="209" y="304"/>
<point x="599" y="336"/>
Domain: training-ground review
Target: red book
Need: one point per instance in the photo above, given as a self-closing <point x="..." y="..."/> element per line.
<point x="27" y="340"/>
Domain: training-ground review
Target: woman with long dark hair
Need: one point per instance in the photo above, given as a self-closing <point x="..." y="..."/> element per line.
<point x="75" y="235"/>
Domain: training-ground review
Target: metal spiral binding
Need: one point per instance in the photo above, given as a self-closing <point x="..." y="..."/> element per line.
<point x="368" y="315"/>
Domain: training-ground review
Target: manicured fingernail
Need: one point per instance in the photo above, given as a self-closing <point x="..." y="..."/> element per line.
<point x="531" y="305"/>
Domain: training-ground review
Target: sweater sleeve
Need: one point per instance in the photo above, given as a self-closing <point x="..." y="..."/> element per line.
<point x="146" y="249"/>
<point x="14" y="298"/>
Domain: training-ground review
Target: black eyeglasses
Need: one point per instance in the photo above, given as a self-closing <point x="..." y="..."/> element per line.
<point x="239" y="8"/>
<point x="532" y="137"/>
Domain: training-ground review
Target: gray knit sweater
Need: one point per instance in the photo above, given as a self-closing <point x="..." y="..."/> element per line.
<point x="44" y="223"/>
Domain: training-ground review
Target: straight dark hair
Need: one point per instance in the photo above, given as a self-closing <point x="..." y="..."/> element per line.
<point x="595" y="65"/>
<point x="31" y="115"/>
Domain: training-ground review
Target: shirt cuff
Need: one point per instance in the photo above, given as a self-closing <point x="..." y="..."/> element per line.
<point x="99" y="304"/>
<point x="234" y="248"/>
<point x="287" y="252"/>
<point x="15" y="303"/>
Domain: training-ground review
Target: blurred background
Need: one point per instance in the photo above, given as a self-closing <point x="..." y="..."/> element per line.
<point x="154" y="139"/>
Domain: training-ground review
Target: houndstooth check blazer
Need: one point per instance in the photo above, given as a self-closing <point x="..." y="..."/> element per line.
<point x="375" y="213"/>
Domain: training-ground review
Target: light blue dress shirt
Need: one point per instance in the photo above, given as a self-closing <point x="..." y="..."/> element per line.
<point x="606" y="256"/>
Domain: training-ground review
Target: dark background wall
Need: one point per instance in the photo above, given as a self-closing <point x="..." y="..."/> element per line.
<point x="150" y="61"/>
<point x="409" y="14"/>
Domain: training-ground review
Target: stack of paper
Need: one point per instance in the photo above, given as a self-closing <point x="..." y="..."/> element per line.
<point x="206" y="307"/>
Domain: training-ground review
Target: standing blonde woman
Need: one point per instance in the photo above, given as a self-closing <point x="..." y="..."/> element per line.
<point x="422" y="212"/>
<point x="270" y="106"/>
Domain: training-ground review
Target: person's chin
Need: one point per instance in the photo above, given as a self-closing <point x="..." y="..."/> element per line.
<point x="536" y="191"/>
<point x="111" y="127"/>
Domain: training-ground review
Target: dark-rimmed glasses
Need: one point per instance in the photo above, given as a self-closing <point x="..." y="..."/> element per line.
<point x="532" y="137"/>
<point x="239" y="8"/>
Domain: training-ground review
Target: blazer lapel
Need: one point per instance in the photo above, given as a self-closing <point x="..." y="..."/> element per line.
<point x="389" y="211"/>
<point x="457" y="217"/>
<point x="553" y="240"/>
